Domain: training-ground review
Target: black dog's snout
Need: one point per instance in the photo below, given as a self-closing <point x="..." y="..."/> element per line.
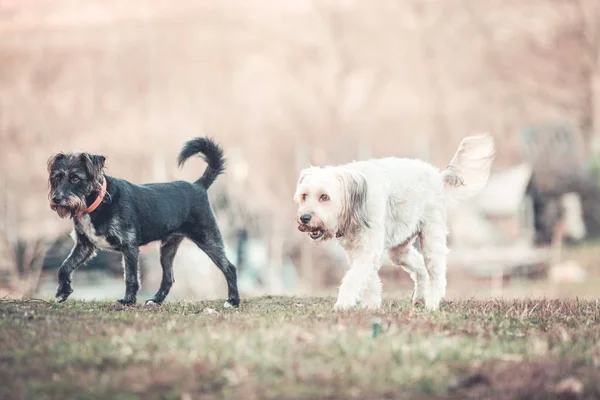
<point x="56" y="199"/>
<point x="305" y="218"/>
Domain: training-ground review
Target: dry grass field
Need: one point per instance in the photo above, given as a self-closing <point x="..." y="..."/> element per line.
<point x="294" y="348"/>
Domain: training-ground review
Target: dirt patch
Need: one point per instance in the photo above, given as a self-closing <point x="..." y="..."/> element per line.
<point x="532" y="381"/>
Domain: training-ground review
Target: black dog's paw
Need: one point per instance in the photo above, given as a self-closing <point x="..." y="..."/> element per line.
<point x="153" y="302"/>
<point x="127" y="301"/>
<point x="232" y="303"/>
<point x="63" y="293"/>
<point x="59" y="298"/>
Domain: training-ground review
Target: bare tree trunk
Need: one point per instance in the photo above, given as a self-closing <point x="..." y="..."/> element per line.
<point x="33" y="260"/>
<point x="594" y="133"/>
<point x="275" y="275"/>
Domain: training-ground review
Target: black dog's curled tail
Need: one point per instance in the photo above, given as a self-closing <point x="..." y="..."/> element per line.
<point x="210" y="152"/>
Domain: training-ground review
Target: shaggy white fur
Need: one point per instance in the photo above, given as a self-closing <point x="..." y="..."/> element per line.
<point x="383" y="205"/>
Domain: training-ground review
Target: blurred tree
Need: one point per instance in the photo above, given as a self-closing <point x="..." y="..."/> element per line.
<point x="553" y="60"/>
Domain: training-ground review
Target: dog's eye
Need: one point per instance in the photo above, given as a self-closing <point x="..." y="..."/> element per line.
<point x="75" y="179"/>
<point x="324" y="198"/>
<point x="304" y="196"/>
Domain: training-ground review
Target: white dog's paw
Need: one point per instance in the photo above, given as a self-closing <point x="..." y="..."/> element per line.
<point x="432" y="305"/>
<point x="342" y="307"/>
<point x="345" y="303"/>
<point x="418" y="303"/>
<point x="434" y="296"/>
<point x="371" y="303"/>
<point x="421" y="294"/>
<point x="432" y="301"/>
<point x="418" y="299"/>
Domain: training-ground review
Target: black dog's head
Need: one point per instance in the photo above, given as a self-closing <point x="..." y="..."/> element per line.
<point x="72" y="178"/>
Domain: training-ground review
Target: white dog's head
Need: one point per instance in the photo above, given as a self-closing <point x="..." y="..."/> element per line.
<point x="332" y="202"/>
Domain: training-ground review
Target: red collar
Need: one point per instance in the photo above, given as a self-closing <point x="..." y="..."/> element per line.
<point x="98" y="200"/>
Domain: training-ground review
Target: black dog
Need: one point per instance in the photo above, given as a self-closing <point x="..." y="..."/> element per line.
<point x="113" y="214"/>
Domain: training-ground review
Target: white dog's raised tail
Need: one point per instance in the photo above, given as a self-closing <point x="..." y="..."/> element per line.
<point x="469" y="170"/>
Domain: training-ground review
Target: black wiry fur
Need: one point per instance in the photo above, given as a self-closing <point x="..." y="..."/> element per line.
<point x="133" y="215"/>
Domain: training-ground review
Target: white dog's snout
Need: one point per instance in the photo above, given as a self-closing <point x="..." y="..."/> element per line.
<point x="305" y="218"/>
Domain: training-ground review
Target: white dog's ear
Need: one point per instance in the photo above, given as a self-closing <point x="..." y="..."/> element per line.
<point x="297" y="192"/>
<point x="354" y="213"/>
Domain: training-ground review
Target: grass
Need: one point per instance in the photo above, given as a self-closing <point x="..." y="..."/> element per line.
<point x="292" y="348"/>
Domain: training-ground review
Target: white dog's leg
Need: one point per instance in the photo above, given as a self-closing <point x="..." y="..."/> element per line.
<point x="355" y="281"/>
<point x="412" y="262"/>
<point x="435" y="251"/>
<point x="371" y="299"/>
<point x="365" y="259"/>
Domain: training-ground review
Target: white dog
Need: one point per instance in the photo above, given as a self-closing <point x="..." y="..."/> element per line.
<point x="383" y="205"/>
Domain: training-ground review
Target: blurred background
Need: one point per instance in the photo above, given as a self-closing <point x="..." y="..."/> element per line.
<point x="285" y="84"/>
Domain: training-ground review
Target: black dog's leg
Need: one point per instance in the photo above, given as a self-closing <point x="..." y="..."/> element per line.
<point x="213" y="247"/>
<point x="168" y="249"/>
<point x="132" y="283"/>
<point x="81" y="252"/>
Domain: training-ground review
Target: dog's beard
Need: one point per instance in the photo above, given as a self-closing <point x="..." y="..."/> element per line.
<point x="70" y="207"/>
<point x="315" y="232"/>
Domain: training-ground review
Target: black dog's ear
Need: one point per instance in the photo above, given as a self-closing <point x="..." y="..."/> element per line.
<point x="98" y="162"/>
<point x="55" y="159"/>
<point x="94" y="165"/>
<point x="52" y="163"/>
